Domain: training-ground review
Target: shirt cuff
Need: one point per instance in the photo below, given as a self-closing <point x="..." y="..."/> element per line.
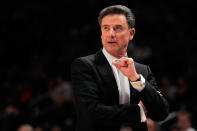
<point x="139" y="85"/>
<point x="142" y="114"/>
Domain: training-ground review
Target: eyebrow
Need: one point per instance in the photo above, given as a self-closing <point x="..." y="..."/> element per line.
<point x="104" y="25"/>
<point x="119" y="26"/>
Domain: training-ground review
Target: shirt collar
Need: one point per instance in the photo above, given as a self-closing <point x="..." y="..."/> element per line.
<point x="108" y="56"/>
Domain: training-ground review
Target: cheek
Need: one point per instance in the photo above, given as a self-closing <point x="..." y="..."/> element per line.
<point x="124" y="38"/>
<point x="102" y="36"/>
<point x="102" y="40"/>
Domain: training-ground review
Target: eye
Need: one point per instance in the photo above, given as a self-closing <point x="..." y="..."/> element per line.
<point x="106" y="28"/>
<point x="118" y="28"/>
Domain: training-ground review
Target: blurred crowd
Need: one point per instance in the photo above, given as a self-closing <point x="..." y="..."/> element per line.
<point x="40" y="40"/>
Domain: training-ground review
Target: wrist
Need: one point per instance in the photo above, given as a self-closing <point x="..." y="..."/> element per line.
<point x="135" y="78"/>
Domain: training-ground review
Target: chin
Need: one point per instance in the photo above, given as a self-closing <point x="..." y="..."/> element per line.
<point x="113" y="52"/>
<point x="111" y="49"/>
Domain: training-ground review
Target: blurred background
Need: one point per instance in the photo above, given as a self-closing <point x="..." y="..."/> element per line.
<point x="39" y="40"/>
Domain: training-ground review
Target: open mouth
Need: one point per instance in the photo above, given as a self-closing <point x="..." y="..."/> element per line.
<point x="112" y="42"/>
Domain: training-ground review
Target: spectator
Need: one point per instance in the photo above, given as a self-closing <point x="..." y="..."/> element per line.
<point x="25" y="127"/>
<point x="184" y="121"/>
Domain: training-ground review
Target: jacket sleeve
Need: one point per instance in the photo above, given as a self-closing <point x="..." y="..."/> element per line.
<point x="88" y="98"/>
<point x="153" y="99"/>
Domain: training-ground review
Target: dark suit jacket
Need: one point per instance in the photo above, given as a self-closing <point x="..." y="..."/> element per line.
<point x="97" y="97"/>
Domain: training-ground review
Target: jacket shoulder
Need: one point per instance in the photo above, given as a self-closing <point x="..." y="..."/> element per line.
<point x="140" y="66"/>
<point x="85" y="59"/>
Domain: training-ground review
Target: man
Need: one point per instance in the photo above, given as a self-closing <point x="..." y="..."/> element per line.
<point x="25" y="127"/>
<point x="184" y="121"/>
<point x="112" y="92"/>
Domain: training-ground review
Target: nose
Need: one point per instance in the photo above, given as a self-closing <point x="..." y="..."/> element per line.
<point x="112" y="33"/>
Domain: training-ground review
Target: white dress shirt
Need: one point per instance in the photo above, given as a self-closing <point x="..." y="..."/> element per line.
<point x="123" y="87"/>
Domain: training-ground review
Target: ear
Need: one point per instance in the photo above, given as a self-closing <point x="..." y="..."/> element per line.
<point x="132" y="33"/>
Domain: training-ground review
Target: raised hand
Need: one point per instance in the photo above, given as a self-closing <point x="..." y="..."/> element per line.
<point x="126" y="66"/>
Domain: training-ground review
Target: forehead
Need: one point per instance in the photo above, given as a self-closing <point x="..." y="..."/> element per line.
<point x="114" y="19"/>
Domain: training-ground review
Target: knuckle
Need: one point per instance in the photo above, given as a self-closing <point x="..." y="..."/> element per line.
<point x="131" y="60"/>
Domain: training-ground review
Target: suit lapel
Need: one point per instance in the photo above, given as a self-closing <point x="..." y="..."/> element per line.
<point x="109" y="81"/>
<point x="107" y="76"/>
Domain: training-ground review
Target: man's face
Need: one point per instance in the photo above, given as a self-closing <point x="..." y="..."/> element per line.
<point x="116" y="34"/>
